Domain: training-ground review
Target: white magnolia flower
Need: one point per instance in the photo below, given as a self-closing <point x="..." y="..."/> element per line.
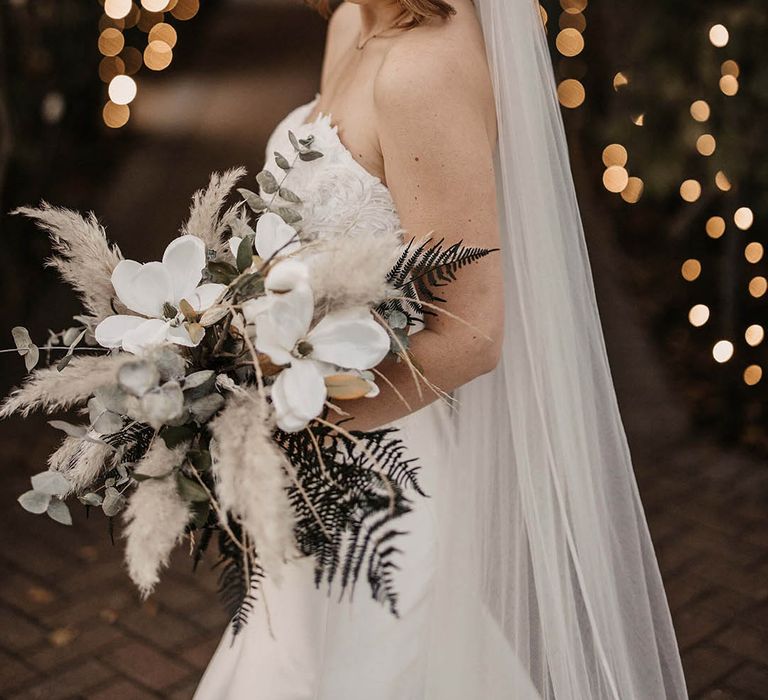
<point x="273" y="237"/>
<point x="150" y="290"/>
<point x="349" y="338"/>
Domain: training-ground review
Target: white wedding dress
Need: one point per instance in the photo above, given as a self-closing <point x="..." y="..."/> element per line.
<point x="303" y="643"/>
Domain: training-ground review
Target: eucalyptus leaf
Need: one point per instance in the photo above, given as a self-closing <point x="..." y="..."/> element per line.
<point x="113" y="503"/>
<point x="163" y="405"/>
<point x="308" y="156"/>
<point x="250" y="286"/>
<point x="61" y="365"/>
<point x="267" y="182"/>
<point x="111" y="398"/>
<point x="254" y="201"/>
<point x="245" y="254"/>
<point x="221" y="272"/>
<point x="200" y="459"/>
<point x="108" y="423"/>
<point x="205" y="408"/>
<point x="21" y="338"/>
<point x="199" y="379"/>
<point x="51" y="483"/>
<point x="403" y="341"/>
<point x="294" y="141"/>
<point x="175" y="436"/>
<point x="77" y="431"/>
<point x="32" y="357"/>
<point x="190" y="490"/>
<point x="91" y="499"/>
<point x="34" y="502"/>
<point x="70" y="336"/>
<point x="138" y="378"/>
<point x="290" y="216"/>
<point x="200" y="513"/>
<point x="59" y="511"/>
<point x="282" y="162"/>
<point x="289" y="195"/>
<point x="397" y="320"/>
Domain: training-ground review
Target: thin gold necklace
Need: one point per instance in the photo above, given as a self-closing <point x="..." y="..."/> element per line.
<point x="363" y="44"/>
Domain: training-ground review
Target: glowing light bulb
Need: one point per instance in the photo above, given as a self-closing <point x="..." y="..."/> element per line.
<point x="122" y="89"/>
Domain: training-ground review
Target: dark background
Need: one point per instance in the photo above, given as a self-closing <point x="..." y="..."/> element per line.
<point x="70" y="623"/>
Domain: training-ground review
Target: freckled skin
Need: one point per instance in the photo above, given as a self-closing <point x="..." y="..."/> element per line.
<point x="416" y="108"/>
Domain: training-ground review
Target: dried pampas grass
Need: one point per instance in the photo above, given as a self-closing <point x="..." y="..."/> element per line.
<point x="205" y="218"/>
<point x="156" y="517"/>
<point x="251" y="479"/>
<point x="51" y="390"/>
<point x="352" y="270"/>
<point x="81" y="461"/>
<point x="86" y="259"/>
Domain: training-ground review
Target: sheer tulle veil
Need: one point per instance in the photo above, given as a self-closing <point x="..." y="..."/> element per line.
<point x="548" y="582"/>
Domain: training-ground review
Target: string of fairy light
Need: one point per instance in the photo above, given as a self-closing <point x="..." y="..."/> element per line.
<point x="570" y="44"/>
<point x="617" y="180"/>
<point x="133" y="36"/>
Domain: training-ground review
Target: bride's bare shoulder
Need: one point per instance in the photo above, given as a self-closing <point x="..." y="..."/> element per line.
<point x="441" y="61"/>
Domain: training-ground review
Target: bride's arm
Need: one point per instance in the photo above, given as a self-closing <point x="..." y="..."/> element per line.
<point x="437" y="138"/>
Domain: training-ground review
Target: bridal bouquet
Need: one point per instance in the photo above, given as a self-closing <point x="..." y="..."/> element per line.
<point x="209" y="388"/>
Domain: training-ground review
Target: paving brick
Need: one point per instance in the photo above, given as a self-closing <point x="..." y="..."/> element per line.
<point x="705" y="665"/>
<point x="87" y="641"/>
<point x="750" y="678"/>
<point x="147" y="666"/>
<point x="71" y="683"/>
<point x="122" y="690"/>
<point x="17" y="632"/>
<point x="162" y="629"/>
<point x="747" y="641"/>
<point x="14" y="674"/>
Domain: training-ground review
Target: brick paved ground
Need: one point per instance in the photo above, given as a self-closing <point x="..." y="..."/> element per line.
<point x="71" y="625"/>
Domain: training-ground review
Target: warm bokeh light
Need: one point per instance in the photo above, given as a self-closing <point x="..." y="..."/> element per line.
<point x="109" y="67"/>
<point x="163" y="32"/>
<point x="730" y="67"/>
<point x="154" y="5"/>
<point x="132" y="59"/>
<point x="638" y="119"/>
<point x="744" y="218"/>
<point x="690" y="190"/>
<point x="570" y="42"/>
<point x="185" y="9"/>
<point x="620" y="80"/>
<point x="754" y="335"/>
<point x="573" y="7"/>
<point x="722" y="351"/>
<point x="722" y="182"/>
<point x="122" y="89"/>
<point x="729" y="85"/>
<point x="754" y="252"/>
<point x="758" y="286"/>
<point x="117" y="9"/>
<point x="158" y="55"/>
<point x="706" y="144"/>
<point x="616" y="179"/>
<point x="700" y="111"/>
<point x="716" y="227"/>
<point x="719" y="36"/>
<point x="752" y="375"/>
<point x="115" y="116"/>
<point x="615" y="154"/>
<point x="111" y="42"/>
<point x="691" y="270"/>
<point x="571" y="93"/>
<point x="633" y="191"/>
<point x="698" y="315"/>
<point x="575" y="21"/>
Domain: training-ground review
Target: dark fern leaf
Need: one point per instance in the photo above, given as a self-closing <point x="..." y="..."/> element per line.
<point x="421" y="270"/>
<point x="358" y="494"/>
<point x="238" y="588"/>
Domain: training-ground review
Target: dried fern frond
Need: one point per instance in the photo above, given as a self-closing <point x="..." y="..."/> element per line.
<point x="85" y="258"/>
<point x="50" y="389"/>
<point x="205" y="218"/>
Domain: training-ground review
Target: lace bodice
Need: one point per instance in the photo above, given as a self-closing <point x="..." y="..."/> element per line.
<point x="338" y="194"/>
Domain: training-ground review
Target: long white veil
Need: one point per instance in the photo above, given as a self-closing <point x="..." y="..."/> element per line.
<point x="549" y="583"/>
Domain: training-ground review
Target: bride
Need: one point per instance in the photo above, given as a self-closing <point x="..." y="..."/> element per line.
<point x="529" y="572"/>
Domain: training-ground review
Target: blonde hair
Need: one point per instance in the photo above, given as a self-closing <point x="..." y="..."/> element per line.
<point x="418" y="10"/>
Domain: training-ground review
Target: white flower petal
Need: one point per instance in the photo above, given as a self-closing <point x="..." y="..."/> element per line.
<point x="110" y="332"/>
<point x="268" y="340"/>
<point x="184" y="259"/>
<point x="180" y="336"/>
<point x="234" y="244"/>
<point x="286" y="276"/>
<point x="255" y="307"/>
<point x="205" y="296"/>
<point x="149" y="288"/>
<point x="291" y="314"/>
<point x="122" y="280"/>
<point x="299" y="391"/>
<point x="350" y="339"/>
<point x="275" y="237"/>
<point x="153" y="331"/>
